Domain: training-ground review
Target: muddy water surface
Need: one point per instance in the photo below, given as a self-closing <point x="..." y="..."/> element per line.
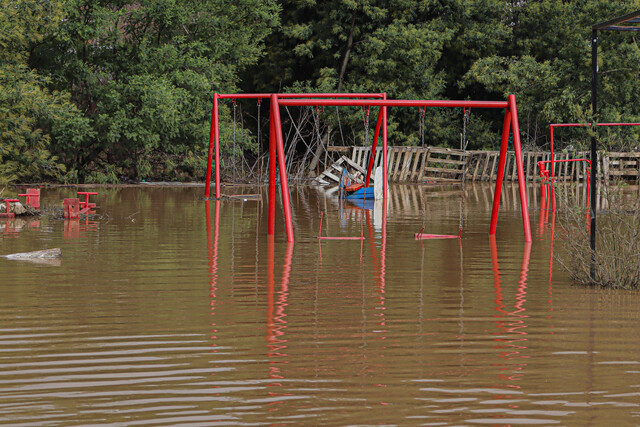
<point x="171" y="311"/>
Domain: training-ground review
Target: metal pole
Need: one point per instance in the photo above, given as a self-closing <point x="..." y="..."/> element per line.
<point x="384" y="155"/>
<point x="374" y="146"/>
<point x="392" y="103"/>
<point x="522" y="183"/>
<point x="214" y="140"/>
<point x="280" y="157"/>
<point x="553" y="157"/>
<point x="594" y="148"/>
<point x="504" y="142"/>
<point x="272" y="175"/>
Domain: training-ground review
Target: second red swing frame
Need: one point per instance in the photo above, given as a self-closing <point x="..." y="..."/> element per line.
<point x="276" y="144"/>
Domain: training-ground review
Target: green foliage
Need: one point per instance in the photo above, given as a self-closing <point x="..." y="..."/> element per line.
<point x="105" y="90"/>
<point x="143" y="74"/>
<point x="547" y="63"/>
<point x="31" y="115"/>
<point x="474" y="49"/>
<point x="364" y="46"/>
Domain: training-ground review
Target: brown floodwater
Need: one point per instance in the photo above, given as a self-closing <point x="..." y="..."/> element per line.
<point x="169" y="310"/>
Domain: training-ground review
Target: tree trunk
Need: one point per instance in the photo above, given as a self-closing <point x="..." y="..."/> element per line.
<point x="343" y="69"/>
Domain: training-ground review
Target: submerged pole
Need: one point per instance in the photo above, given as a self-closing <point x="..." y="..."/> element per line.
<point x="384" y="154"/>
<point x="272" y="175"/>
<point x="504" y="141"/>
<point x="214" y="142"/>
<point x="553" y="156"/>
<point x="522" y="184"/>
<point x="280" y="157"/>
<point x="374" y="146"/>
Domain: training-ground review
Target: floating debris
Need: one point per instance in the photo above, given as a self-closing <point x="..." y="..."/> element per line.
<point x="43" y="254"/>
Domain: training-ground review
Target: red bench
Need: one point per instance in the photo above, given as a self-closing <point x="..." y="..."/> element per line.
<point x="86" y="206"/>
<point x="7" y="213"/>
<point x="33" y="197"/>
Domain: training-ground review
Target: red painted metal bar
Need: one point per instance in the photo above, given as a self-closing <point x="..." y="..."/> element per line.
<point x="544" y="173"/>
<point x="280" y="157"/>
<point x="272" y="175"/>
<point x="213" y="142"/>
<point x="299" y="95"/>
<point x="214" y="135"/>
<point x="564" y="161"/>
<point x="568" y="125"/>
<point x="426" y="236"/>
<point x="6" y="213"/>
<point x="392" y="103"/>
<point x="86" y="203"/>
<point x="522" y="184"/>
<point x="32" y="197"/>
<point x="384" y="155"/>
<point x="374" y="146"/>
<point x="573" y="125"/>
<point x="553" y="157"/>
<point x="504" y="142"/>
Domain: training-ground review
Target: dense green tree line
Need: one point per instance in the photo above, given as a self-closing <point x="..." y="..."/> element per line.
<point x="100" y="90"/>
<point x="462" y="49"/>
<point x="104" y="90"/>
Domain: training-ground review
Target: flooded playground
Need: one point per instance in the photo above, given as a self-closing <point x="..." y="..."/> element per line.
<point x="169" y="310"/>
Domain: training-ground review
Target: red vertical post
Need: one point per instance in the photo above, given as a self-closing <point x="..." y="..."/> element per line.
<point x="504" y="142"/>
<point x="384" y="154"/>
<point x="284" y="185"/>
<point x="553" y="157"/>
<point x="212" y="142"/>
<point x="522" y="184"/>
<point x="272" y="175"/>
<point x="374" y="146"/>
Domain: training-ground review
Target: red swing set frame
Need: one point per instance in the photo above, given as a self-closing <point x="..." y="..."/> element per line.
<point x="276" y="144"/>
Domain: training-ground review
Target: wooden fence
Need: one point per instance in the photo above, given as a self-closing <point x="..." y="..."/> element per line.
<point x="436" y="164"/>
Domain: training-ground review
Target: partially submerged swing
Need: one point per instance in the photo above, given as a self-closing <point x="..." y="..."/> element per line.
<point x="463" y="146"/>
<point x="358" y="190"/>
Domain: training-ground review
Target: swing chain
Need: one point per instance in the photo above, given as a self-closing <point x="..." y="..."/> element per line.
<point x="422" y="112"/>
<point x="466" y="113"/>
<point x="234" y="139"/>
<point x="365" y="120"/>
<point x="259" y="138"/>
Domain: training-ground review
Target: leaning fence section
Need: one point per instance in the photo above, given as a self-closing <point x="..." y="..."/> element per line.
<point x="437" y="164"/>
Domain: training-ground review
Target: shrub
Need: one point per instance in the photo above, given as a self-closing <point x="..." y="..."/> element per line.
<point x="616" y="261"/>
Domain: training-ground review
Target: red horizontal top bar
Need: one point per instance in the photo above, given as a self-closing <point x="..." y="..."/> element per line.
<point x="392" y="103"/>
<point x="568" y="125"/>
<point x="299" y="95"/>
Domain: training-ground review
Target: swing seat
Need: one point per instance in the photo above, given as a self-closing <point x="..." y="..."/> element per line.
<point x="426" y="236"/>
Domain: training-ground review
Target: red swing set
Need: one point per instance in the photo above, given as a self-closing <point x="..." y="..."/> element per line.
<point x="276" y="144"/>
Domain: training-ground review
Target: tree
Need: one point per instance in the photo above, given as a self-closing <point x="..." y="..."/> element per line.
<point x="547" y="64"/>
<point x="357" y="46"/>
<point x="30" y="113"/>
<point x="143" y="73"/>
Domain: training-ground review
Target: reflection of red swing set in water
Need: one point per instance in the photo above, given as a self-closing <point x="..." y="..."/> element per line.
<point x="276" y="144"/>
